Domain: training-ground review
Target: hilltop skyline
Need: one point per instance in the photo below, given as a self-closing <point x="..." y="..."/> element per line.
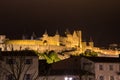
<point x="96" y="19"/>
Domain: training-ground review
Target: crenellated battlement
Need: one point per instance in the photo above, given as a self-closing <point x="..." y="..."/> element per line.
<point x="57" y="43"/>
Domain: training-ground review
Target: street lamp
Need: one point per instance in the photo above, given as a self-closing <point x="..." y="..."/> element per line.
<point x="68" y="78"/>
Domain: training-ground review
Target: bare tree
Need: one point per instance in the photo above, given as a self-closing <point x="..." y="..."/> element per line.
<point x="19" y="66"/>
<point x="45" y="71"/>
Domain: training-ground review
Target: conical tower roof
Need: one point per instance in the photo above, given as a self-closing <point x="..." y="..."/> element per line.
<point x="75" y="34"/>
<point x="33" y="36"/>
<point x="45" y="34"/>
<point x="57" y="33"/>
<point x="67" y="32"/>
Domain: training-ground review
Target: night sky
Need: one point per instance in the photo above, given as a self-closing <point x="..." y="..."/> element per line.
<point x="99" y="19"/>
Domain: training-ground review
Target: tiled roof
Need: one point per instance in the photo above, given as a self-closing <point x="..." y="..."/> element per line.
<point x="68" y="72"/>
<point x="104" y="59"/>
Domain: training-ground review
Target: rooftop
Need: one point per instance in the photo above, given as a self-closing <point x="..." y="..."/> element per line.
<point x="18" y="53"/>
<point x="104" y="59"/>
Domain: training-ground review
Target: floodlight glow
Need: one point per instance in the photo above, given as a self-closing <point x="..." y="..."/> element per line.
<point x="66" y="78"/>
<point x="70" y="78"/>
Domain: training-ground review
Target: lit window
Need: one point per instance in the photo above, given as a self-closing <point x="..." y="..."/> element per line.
<point x="28" y="61"/>
<point x="100" y="67"/>
<point x="110" y="67"/>
<point x="68" y="78"/>
<point x="101" y="78"/>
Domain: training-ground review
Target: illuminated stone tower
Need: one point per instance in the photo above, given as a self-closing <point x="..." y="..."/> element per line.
<point x="45" y="36"/>
<point x="2" y="40"/>
<point x="69" y="39"/>
<point x="91" y="43"/>
<point x="57" y="38"/>
<point x="80" y="38"/>
<point x="76" y="38"/>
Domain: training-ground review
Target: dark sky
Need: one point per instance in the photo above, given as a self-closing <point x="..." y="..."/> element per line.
<point x="99" y="19"/>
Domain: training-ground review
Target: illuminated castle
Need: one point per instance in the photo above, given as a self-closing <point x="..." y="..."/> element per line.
<point x="57" y="43"/>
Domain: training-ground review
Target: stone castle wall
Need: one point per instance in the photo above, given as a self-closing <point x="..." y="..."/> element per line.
<point x="57" y="43"/>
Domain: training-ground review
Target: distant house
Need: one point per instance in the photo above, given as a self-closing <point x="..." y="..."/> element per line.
<point x="84" y="68"/>
<point x="25" y="66"/>
<point x="103" y="68"/>
<point x="68" y="69"/>
<point x="18" y="65"/>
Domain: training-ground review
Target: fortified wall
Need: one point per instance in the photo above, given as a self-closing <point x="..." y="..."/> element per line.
<point x="58" y="43"/>
<point x="46" y="42"/>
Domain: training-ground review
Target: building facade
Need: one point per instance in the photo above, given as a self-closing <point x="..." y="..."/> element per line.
<point x="18" y="65"/>
<point x="25" y="66"/>
<point x="86" y="68"/>
<point x="103" y="68"/>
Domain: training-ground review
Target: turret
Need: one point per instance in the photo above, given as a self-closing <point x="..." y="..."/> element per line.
<point x="75" y="34"/>
<point x="57" y="37"/>
<point x="33" y="36"/>
<point x="2" y="38"/>
<point x="57" y="33"/>
<point x="91" y="43"/>
<point x="45" y="34"/>
<point x="79" y="34"/>
<point x="67" y="32"/>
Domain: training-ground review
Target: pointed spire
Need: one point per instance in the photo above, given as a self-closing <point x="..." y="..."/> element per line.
<point x="57" y="33"/>
<point x="91" y="40"/>
<point x="45" y="34"/>
<point x="33" y="36"/>
<point x="75" y="34"/>
<point x="67" y="31"/>
<point x="23" y="37"/>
